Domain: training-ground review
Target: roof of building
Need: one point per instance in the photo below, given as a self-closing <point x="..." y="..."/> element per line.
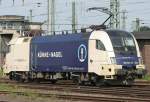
<point x="11" y="18"/>
<point x="35" y="23"/>
<point x="17" y="18"/>
<point x="142" y="35"/>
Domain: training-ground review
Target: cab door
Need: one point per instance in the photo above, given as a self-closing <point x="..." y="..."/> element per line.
<point x="97" y="56"/>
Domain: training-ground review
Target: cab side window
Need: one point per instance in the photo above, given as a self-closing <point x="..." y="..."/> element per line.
<point x="100" y="45"/>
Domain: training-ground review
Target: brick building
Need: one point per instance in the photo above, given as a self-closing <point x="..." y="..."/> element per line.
<point x="143" y="39"/>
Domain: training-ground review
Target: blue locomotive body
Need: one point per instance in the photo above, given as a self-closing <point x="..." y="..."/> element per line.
<point x="60" y="53"/>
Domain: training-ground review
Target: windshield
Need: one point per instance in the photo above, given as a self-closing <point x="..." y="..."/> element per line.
<point x="123" y="42"/>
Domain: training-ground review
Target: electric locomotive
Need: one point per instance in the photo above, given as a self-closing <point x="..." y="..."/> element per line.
<point x="97" y="57"/>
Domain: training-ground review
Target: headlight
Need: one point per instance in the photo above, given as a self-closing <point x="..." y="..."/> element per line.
<point x="140" y="60"/>
<point x="113" y="60"/>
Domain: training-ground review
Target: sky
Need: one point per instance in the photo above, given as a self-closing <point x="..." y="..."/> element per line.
<point x="135" y="9"/>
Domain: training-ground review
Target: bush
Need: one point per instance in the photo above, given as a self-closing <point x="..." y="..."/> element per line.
<point x="147" y="77"/>
<point x="1" y="72"/>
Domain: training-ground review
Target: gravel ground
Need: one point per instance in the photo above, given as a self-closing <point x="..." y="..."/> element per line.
<point x="14" y="98"/>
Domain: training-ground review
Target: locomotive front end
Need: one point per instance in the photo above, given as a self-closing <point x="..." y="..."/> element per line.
<point x="114" y="57"/>
<point x="127" y="55"/>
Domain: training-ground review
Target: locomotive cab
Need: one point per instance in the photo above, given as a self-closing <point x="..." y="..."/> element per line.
<point x="127" y="53"/>
<point x="114" y="55"/>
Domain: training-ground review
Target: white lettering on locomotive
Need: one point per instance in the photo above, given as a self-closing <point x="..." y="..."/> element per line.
<point x="49" y="55"/>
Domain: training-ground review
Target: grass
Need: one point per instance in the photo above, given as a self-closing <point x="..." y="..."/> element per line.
<point x="15" y="88"/>
<point x="1" y="72"/>
<point x="29" y="94"/>
<point x="5" y="87"/>
<point x="146" y="77"/>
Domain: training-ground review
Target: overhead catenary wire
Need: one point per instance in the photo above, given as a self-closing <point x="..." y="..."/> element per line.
<point x="131" y="6"/>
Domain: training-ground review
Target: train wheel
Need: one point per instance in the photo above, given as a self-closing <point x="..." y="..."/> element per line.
<point x="21" y="80"/>
<point x="99" y="83"/>
<point x="127" y="82"/>
<point x="53" y="81"/>
<point x="11" y="76"/>
<point x="31" y="76"/>
<point x="77" y="80"/>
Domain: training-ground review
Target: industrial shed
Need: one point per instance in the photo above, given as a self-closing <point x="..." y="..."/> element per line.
<point x="14" y="26"/>
<point x="143" y="39"/>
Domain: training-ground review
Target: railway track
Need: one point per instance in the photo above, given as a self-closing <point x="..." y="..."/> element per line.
<point x="117" y="91"/>
<point x="135" y="93"/>
<point x="83" y="97"/>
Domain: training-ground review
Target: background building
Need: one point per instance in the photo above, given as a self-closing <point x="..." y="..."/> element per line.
<point x="15" y="26"/>
<point x="143" y="39"/>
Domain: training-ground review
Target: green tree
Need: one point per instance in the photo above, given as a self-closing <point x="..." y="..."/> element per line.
<point x="144" y="28"/>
